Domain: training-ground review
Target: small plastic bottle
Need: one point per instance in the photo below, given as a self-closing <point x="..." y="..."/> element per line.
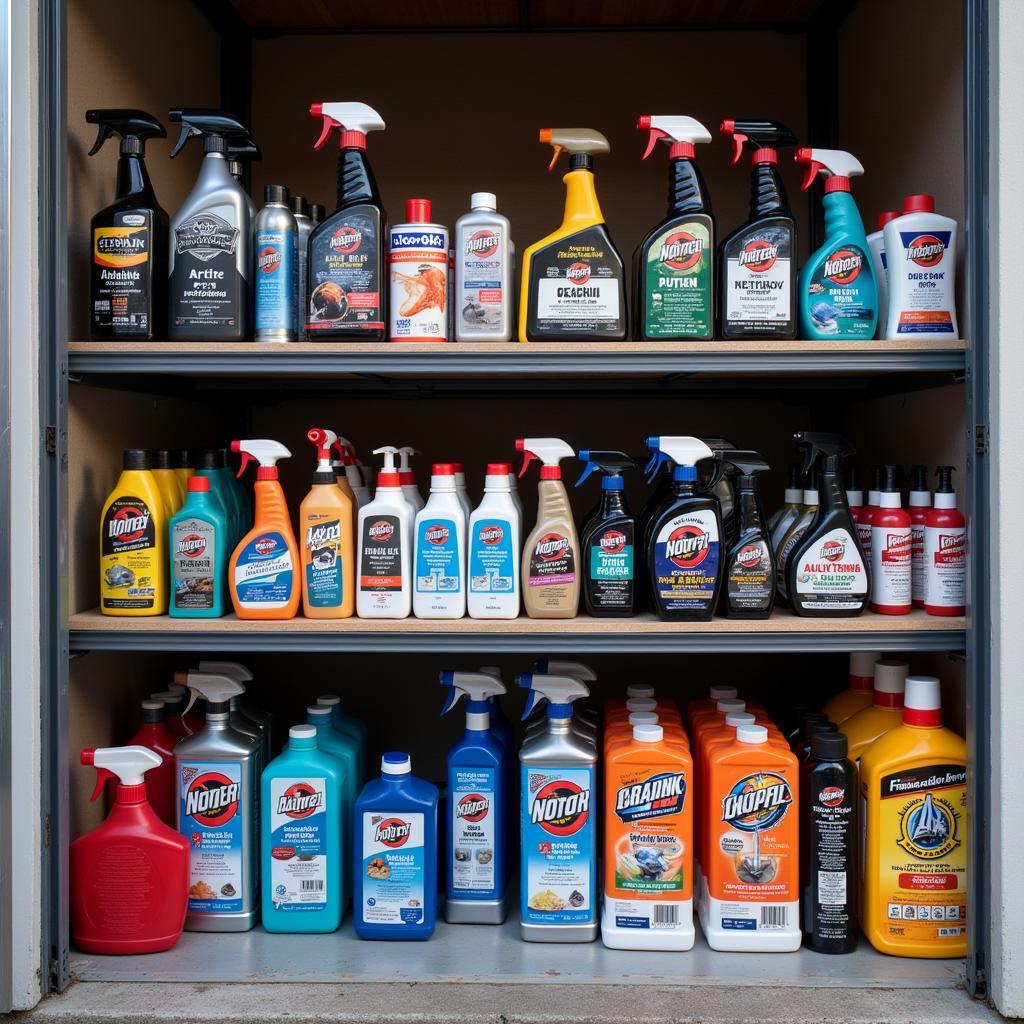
<point x="440" y="557"/>
<point x="495" y="542"/>
<point x="483" y="294"/>
<point x="199" y="549"/>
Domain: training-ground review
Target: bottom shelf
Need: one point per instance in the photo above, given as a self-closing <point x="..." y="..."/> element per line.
<point x="497" y="956"/>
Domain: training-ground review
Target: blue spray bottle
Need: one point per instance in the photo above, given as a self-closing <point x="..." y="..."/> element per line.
<point x="395" y="894"/>
<point x="476" y="862"/>
<point x="304" y="832"/>
<point x="838" y="293"/>
<point x="501" y="730"/>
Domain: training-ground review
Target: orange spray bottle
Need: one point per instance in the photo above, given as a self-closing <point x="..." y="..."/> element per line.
<point x="264" y="571"/>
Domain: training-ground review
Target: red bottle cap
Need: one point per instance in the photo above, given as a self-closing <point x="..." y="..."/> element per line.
<point x="457" y="466"/>
<point x="389" y="479"/>
<point x="443" y="469"/>
<point x="765" y="155"/>
<point x="499" y="468"/>
<point x="678" y="150"/>
<point x="837" y="183"/>
<point x="885" y="217"/>
<point x="198" y="483"/>
<point x="417" y="211"/>
<point x="919" y="204"/>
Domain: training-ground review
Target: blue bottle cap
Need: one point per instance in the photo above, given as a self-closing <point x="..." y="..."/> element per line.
<point x="396" y="763"/>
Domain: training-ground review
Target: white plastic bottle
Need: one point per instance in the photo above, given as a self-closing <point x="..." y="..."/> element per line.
<point x="384" y="557"/>
<point x="920" y="252"/>
<point x="353" y="471"/>
<point x="407" y="478"/>
<point x="495" y="546"/>
<point x="876" y="246"/>
<point x="460" y="489"/>
<point x="482" y="305"/>
<point x="513" y="487"/>
<point x="439" y="567"/>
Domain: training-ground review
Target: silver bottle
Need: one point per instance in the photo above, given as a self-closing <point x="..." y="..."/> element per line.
<point x="263" y="719"/>
<point x="218" y="811"/>
<point x="305" y="225"/>
<point x="275" y="277"/>
<point x="482" y="305"/>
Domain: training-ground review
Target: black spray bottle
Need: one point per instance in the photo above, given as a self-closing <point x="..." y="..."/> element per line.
<point x="757" y="270"/>
<point x="128" y="244"/>
<point x="608" y="539"/>
<point x="748" y="578"/>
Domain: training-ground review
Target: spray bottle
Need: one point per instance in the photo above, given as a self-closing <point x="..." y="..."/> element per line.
<point x="559" y="893"/>
<point x="608" y="539"/>
<point x="495" y="544"/>
<point x="477" y="868"/>
<point x="327" y="528"/>
<point x="346" y="283"/>
<point x="262" y="574"/>
<point x="573" y="283"/>
<point x="945" y="551"/>
<point x="384" y="570"/>
<point x="218" y="811"/>
<point x="234" y="496"/>
<point x="240" y="705"/>
<point x="838" y="295"/>
<point x="407" y="478"/>
<point x="128" y="280"/>
<point x="154" y="734"/>
<point x="757" y="274"/>
<point x="791" y="502"/>
<point x="211" y="240"/>
<point x="347" y="467"/>
<point x="890" y="552"/>
<point x="240" y="149"/>
<point x="919" y="502"/>
<point x="675" y="263"/>
<point x="797" y="530"/>
<point x="551" y="555"/>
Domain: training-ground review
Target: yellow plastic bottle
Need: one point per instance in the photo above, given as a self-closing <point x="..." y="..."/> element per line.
<point x="133" y="542"/>
<point x="885" y="712"/>
<point x="166" y="477"/>
<point x="858" y="694"/>
<point x="327" y="534"/>
<point x="914" y="791"/>
<point x="183" y="468"/>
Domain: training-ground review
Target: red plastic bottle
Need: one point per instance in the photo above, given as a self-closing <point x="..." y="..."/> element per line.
<point x="919" y="503"/>
<point x="160" y="780"/>
<point x="177" y="723"/>
<point x="945" y="552"/>
<point x="129" y="876"/>
<point x="867" y="512"/>
<point x="890" y="552"/>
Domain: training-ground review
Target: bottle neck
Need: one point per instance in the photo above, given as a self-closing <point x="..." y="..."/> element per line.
<point x="214" y="173"/>
<point x="356" y="183"/>
<point x="581" y="206"/>
<point x="132" y="176"/>
<point x="841" y="214"/>
<point x="831" y="495"/>
<point x="750" y="516"/>
<point x="269" y="498"/>
<point x="767" y="193"/>
<point x="687" y="192"/>
<point x="613" y="502"/>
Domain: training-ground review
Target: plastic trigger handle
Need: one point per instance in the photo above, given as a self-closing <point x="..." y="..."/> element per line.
<point x="104" y="133"/>
<point x="554" y="158"/>
<point x="652" y="141"/>
<point x="528" y="457"/>
<point x="246" y="459"/>
<point x="803" y="155"/>
<point x="317" y="110"/>
<point x="737" y="146"/>
<point x="589" y="470"/>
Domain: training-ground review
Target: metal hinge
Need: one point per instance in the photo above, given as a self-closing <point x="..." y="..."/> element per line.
<point x="980" y="439"/>
<point x="51" y="439"/>
<point x="47" y="832"/>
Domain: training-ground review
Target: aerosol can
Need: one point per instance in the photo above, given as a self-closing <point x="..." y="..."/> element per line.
<point x="559" y="892"/>
<point x="218" y="811"/>
<point x="483" y="272"/>
<point x="275" y="276"/>
<point x="304" y="224"/>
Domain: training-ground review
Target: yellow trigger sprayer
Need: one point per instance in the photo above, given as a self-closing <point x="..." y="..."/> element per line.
<point x="573" y="286"/>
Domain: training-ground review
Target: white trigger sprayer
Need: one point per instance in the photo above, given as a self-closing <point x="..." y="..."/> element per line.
<point x="126" y="764"/>
<point x="261" y="450"/>
<point x="479" y="688"/>
<point x="346" y="117"/>
<point x="676" y="130"/>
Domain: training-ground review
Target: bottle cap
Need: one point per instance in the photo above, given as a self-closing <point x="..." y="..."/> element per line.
<point x="318" y="711"/>
<point x="137" y="458"/>
<point x="643" y="718"/>
<point x="395" y="763"/>
<point x="200" y="484"/>
<point x="442" y="469"/>
<point x="731" y="704"/>
<point x="922" y="703"/>
<point x="717" y="693"/>
<point x="499" y="468"/>
<point x="885" y="217"/>
<point x="152" y="705"/>
<point x="752" y="734"/>
<point x="487" y="200"/>
<point x="299" y="206"/>
<point x="276" y="194"/>
<point x="738" y="718"/>
<point x="302" y="732"/>
<point x="459" y="467"/>
<point x="328" y="699"/>
<point x="648" y="733"/>
<point x="641" y="704"/>
<point x="862" y="664"/>
<point x="919" y="204"/>
<point x="317" y="212"/>
<point x="417" y="211"/>
<point x="639" y="690"/>
<point x="163" y="460"/>
<point x="829" y="746"/>
<point x="890" y="677"/>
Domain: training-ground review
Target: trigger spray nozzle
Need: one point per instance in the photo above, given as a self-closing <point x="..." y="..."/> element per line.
<point x="264" y="451"/>
<point x="558" y="690"/>
<point x="325" y="440"/>
<point x="479" y="687"/>
<point x="679" y="131"/>
<point x="612" y="463"/>
<point x="128" y="765"/>
<point x="549" y="450"/>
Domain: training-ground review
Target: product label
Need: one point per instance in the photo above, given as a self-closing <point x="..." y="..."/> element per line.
<point x="864" y="536"/>
<point x="832" y="574"/>
<point x="274" y="280"/>
<point x="559" y="846"/>
<point x="945" y="566"/>
<point x="921" y="840"/>
<point x="345" y="272"/>
<point x="438" y="566"/>
<point x="122" y="275"/>
<point x="553" y="568"/>
<point x="926" y="265"/>
<point x="840" y="295"/>
<point x="890" y="566"/>
<point x="917" y="562"/>
<point x="678" y="276"/>
<point x="129" y="553"/>
<point x="472" y="795"/>
<point x="394" y="868"/>
<point x="298" y="844"/>
<point x="759" y="281"/>
<point x="418" y="258"/>
<point x="686" y="561"/>
<point x="830" y="904"/>
<point x="211" y="815"/>
<point x="207" y="288"/>
<point x="610" y="565"/>
<point x="380" y="563"/>
<point x="193" y="558"/>
<point x="481" y="272"/>
<point x="751" y="579"/>
<point x="324" y="567"/>
<point x="264" y="572"/>
<point x="492" y="562"/>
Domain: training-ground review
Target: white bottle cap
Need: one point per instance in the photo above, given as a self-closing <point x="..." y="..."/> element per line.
<point x="862" y="663"/>
<point x="319" y="711"/>
<point x="731" y="704"/>
<point x="919" y="499"/>
<point x="944" y="500"/>
<point x="792" y="496"/>
<point x="487" y="199"/>
<point x="641" y="704"/>
<point x="328" y="699"/>
<point x="648" y="733"/>
<point x="395" y="763"/>
<point x="891" y="676"/>
<point x="738" y="718"/>
<point x="717" y="693"/>
<point x="752" y="734"/>
<point x="923" y="693"/>
<point x="639" y="690"/>
<point x="302" y="732"/>
<point x="152" y="705"/>
<point x="643" y="718"/>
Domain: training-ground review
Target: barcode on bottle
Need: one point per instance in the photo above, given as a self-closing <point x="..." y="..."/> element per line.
<point x="774" y="917"/>
<point x="312" y="885"/>
<point x="665" y="916"/>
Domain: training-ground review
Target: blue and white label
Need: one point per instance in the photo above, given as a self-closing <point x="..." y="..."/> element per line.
<point x="264" y="572"/>
<point x="559" y="845"/>
<point x="298" y="844"/>
<point x="394" y="868"/>
<point x="324" y="566"/>
<point x="686" y="561"/>
<point x="437" y="557"/>
<point x="492" y="562"/>
<point x="275" y="280"/>
<point x="211" y="816"/>
<point x="419" y="240"/>
<point x="471" y="793"/>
